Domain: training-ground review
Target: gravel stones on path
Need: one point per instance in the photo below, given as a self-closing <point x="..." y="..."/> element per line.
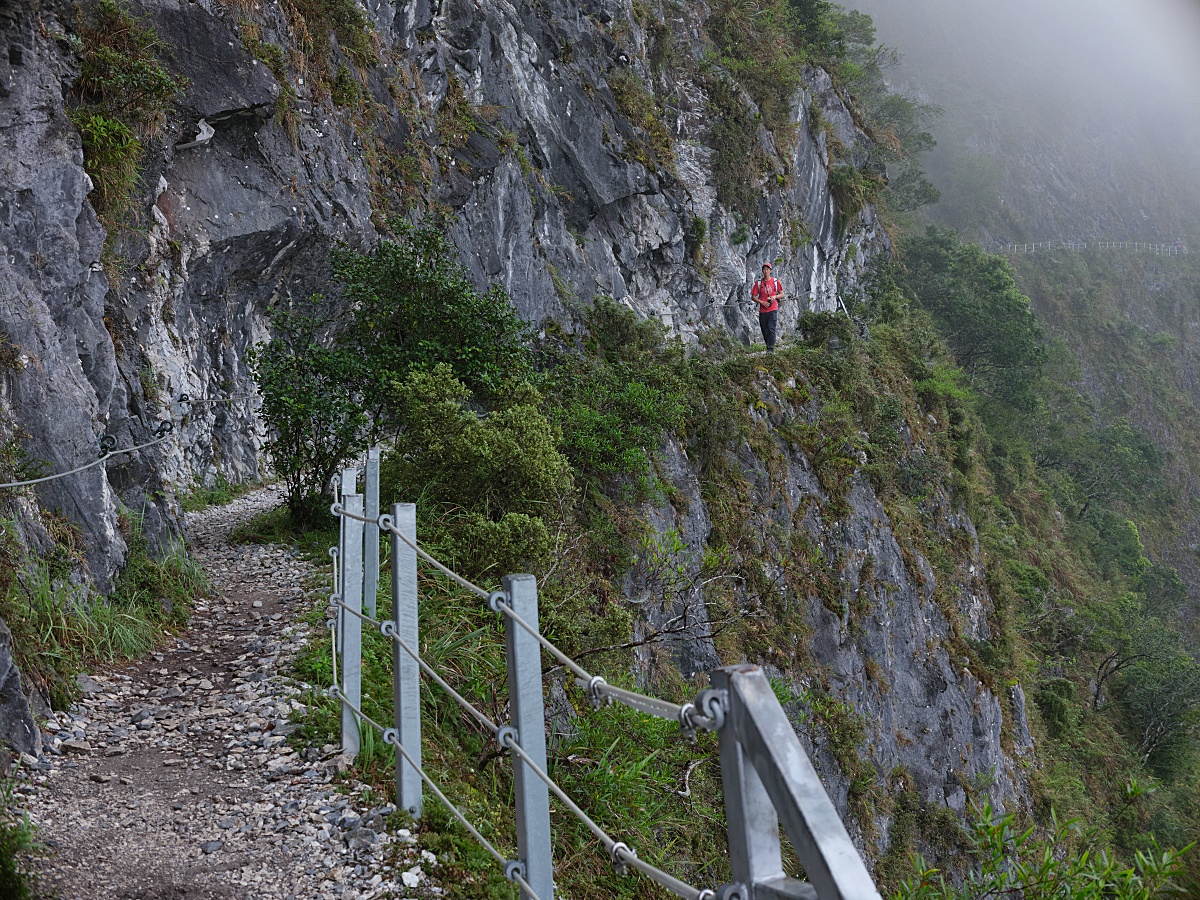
<point x="174" y="778"/>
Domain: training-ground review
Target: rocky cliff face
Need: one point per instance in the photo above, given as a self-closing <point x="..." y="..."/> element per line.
<point x="241" y="197"/>
<point x="858" y="618"/>
<point x="502" y="117"/>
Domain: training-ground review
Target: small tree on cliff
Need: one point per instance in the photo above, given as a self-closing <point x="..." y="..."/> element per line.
<point x="328" y="386"/>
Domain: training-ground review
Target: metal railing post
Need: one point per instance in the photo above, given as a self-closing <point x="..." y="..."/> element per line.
<point x="407" y="685"/>
<point x="785" y="779"/>
<point x="751" y="820"/>
<point x="371" y="538"/>
<point x="352" y="567"/>
<point x="529" y="719"/>
<point x="349" y="485"/>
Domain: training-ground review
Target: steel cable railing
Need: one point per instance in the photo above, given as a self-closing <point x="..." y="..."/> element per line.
<point x="161" y="432"/>
<point x="620" y="853"/>
<point x="599" y="691"/>
<point x="184" y="398"/>
<point x="740" y="703"/>
<point x="512" y="868"/>
<point x="1175" y="249"/>
<point x="108" y="444"/>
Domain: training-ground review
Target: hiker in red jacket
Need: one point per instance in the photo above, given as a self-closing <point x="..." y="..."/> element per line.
<point x="767" y="291"/>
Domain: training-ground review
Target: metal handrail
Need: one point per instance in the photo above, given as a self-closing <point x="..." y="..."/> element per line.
<point x="162" y="432"/>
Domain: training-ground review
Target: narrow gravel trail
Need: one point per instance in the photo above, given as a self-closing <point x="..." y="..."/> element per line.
<point x="173" y="778"/>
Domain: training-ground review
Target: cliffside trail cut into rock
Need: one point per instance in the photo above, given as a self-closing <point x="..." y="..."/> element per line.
<point x="175" y="778"/>
<point x="1177" y="248"/>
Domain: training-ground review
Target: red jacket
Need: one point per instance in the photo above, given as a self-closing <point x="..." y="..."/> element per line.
<point x="767" y="291"/>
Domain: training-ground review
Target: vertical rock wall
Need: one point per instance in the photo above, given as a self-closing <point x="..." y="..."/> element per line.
<point x="240" y="200"/>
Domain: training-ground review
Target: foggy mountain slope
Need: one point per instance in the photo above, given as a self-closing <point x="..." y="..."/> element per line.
<point x="1062" y="120"/>
<point x="1067" y="121"/>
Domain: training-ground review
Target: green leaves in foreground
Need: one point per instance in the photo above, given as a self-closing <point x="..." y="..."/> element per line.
<point x="1065" y="865"/>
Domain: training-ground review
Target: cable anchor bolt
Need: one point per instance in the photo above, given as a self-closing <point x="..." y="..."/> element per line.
<point x="506" y="737"/>
<point x="514" y="869"/>
<point x="620" y="865"/>
<point x="498" y="601"/>
<point x="595" y="691"/>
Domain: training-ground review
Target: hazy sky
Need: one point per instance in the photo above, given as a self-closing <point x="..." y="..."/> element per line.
<point x="1137" y="53"/>
<point x="1114" y="84"/>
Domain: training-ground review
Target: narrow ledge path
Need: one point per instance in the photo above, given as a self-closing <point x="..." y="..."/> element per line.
<point x="173" y="778"/>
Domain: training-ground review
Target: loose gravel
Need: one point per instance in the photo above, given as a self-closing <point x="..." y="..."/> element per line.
<point x="174" y="778"/>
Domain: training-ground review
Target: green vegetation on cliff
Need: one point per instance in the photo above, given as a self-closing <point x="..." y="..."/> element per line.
<point x="122" y="96"/>
<point x="1089" y="620"/>
<point x="555" y="469"/>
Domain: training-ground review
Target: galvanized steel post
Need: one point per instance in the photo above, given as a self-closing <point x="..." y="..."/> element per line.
<point x="371" y="538"/>
<point x="767" y="777"/>
<point x="349" y="485"/>
<point x="407" y="686"/>
<point x="529" y="719"/>
<point x="351" y="625"/>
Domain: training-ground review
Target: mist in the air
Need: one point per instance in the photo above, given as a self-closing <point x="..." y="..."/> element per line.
<point x="1077" y="117"/>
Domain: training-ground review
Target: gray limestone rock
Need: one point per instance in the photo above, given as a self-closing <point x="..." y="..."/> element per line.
<point x="18" y="731"/>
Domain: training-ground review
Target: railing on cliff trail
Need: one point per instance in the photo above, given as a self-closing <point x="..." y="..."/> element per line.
<point x="1175" y="249"/>
<point x="107" y="444"/>
<point x="766" y="775"/>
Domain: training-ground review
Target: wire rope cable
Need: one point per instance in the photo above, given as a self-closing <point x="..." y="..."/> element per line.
<point x="384" y="522"/>
<point x="163" y="431"/>
<point x="619" y="853"/>
<point x="598" y="689"/>
<point x="390" y="737"/>
<point x="388" y="629"/>
<point x="184" y="398"/>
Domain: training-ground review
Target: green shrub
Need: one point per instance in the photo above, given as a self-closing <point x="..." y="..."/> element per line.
<point x="314" y="404"/>
<point x="759" y="43"/>
<point x="637" y="104"/>
<point x="316" y="23"/>
<point x="111" y="154"/>
<point x="739" y="162"/>
<point x="122" y="94"/>
<point x="852" y="191"/>
<point x="219" y="493"/>
<point x="58" y="628"/>
<point x="414" y="306"/>
<point x="987" y="321"/>
<point x="17" y="844"/>
<point x="328" y="393"/>
<point x="119" y="74"/>
<point x="486" y="482"/>
<point x="615" y="396"/>
<point x="1066" y="865"/>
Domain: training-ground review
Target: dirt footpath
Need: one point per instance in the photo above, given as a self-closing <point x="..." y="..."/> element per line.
<point x="174" y="778"/>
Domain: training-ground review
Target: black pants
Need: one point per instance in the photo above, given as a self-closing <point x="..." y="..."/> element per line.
<point x="766" y="321"/>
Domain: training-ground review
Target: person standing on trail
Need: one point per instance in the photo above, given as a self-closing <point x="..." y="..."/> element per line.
<point x="766" y="292"/>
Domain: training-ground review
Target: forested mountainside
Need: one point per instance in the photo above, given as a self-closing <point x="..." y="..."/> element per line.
<point x="510" y="242"/>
